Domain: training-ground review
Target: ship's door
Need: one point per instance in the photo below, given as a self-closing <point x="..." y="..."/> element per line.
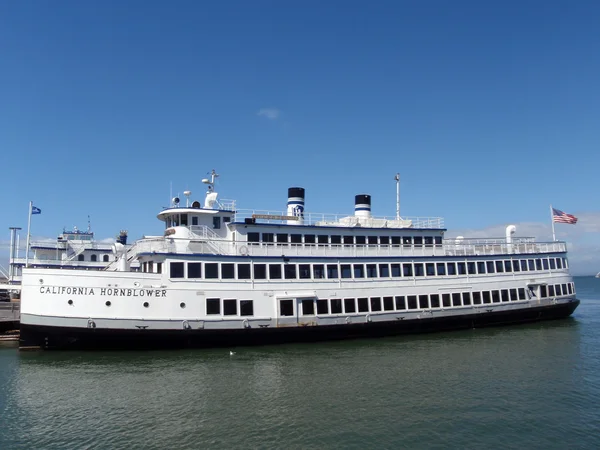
<point x="292" y="311"/>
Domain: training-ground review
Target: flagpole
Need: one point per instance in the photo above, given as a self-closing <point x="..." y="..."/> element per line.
<point x="552" y="220"/>
<point x="28" y="231"/>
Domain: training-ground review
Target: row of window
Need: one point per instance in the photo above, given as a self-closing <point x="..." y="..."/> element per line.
<point x="285" y="238"/>
<point x="93" y="258"/>
<point x="311" y="307"/>
<point x="277" y="271"/>
<point x="176" y="220"/>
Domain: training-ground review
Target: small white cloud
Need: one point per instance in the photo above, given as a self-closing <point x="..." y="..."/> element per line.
<point x="269" y="113"/>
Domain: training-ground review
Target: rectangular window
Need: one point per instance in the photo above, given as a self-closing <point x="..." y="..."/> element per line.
<point x="268" y="237"/>
<point x="289" y="271"/>
<point x="435" y="300"/>
<point x="446" y="303"/>
<point x="456" y="299"/>
<point x="477" y="298"/>
<point x="559" y="263"/>
<point x="322" y="306"/>
<point x="372" y="240"/>
<point x="543" y="290"/>
<point x="286" y="307"/>
<point x="461" y="268"/>
<point x="349" y="305"/>
<point x="466" y="298"/>
<point x="395" y="270"/>
<point x="363" y="305"/>
<point x="303" y="271"/>
<point x="375" y="304"/>
<point x="336" y="306"/>
<point x="471" y="270"/>
<point x="419" y="270"/>
<point x="282" y="238"/>
<point x="545" y="264"/>
<point x="260" y="271"/>
<point x="508" y="266"/>
<point x="423" y="302"/>
<point x="388" y="303"/>
<point x="523" y="265"/>
<point x="359" y="271"/>
<point x="309" y="238"/>
<point x="552" y="263"/>
<point x="361" y="240"/>
<point x="230" y="307"/>
<point x="308" y="307"/>
<point x="438" y="241"/>
<point x="318" y="271"/>
<point x="499" y="267"/>
<point x="384" y="240"/>
<point x="513" y="295"/>
<point x="323" y="239"/>
<point x="332" y="271"/>
<point x="216" y="223"/>
<point x="213" y="306"/>
<point x="451" y="267"/>
<point x="522" y="295"/>
<point x="396" y="240"/>
<point x="411" y="302"/>
<point x="227" y="271"/>
<point x="348" y="240"/>
<point x="158" y="267"/>
<point x="400" y="303"/>
<point x="336" y="239"/>
<point x="495" y="296"/>
<point x="516" y="266"/>
<point x="418" y="241"/>
<point x="384" y="270"/>
<point x="253" y="237"/>
<point x="564" y="289"/>
<point x="441" y="268"/>
<point x="490" y="267"/>
<point x="504" y="295"/>
<point x="194" y="270"/>
<point x="551" y="290"/>
<point x="430" y="269"/>
<point x="481" y="267"/>
<point x="296" y="238"/>
<point x="531" y="264"/>
<point x="275" y="271"/>
<point x="176" y="270"/>
<point x="538" y="264"/>
<point x="346" y="270"/>
<point x="246" y="308"/>
<point x="243" y="271"/>
<point x="486" y="297"/>
<point x="428" y="241"/>
<point x="211" y="270"/>
<point x="194" y="220"/>
<point x="371" y="270"/>
<point x="407" y="270"/>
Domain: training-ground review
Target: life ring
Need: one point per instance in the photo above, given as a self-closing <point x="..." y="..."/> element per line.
<point x="243" y="250"/>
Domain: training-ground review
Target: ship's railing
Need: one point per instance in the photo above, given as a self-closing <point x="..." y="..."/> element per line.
<point x="59" y="263"/>
<point x="489" y="247"/>
<point x="332" y="220"/>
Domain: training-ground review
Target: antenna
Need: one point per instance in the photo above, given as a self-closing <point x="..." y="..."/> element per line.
<point x="89" y="225"/>
<point x="397" y="178"/>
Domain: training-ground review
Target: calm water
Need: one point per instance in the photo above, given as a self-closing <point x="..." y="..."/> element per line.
<point x="533" y="386"/>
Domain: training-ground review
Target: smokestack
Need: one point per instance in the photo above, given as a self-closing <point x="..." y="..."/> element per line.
<point x="362" y="205"/>
<point x="295" y="205"/>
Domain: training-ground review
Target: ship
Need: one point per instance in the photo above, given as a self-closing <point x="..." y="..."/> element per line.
<point x="223" y="276"/>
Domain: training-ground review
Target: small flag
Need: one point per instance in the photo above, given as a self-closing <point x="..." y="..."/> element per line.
<point x="35" y="210"/>
<point x="560" y="217"/>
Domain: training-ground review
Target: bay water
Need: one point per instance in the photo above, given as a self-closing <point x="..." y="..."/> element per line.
<point x="526" y="386"/>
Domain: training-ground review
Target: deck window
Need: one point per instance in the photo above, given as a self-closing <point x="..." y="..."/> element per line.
<point x="418" y="241"/>
<point x="446" y="303"/>
<point x="407" y="241"/>
<point x="268" y="237"/>
<point x="158" y="267"/>
<point x="194" y="270"/>
<point x="282" y="238"/>
<point x="523" y="265"/>
<point x="471" y="270"/>
<point x="346" y="272"/>
<point x="499" y="267"/>
<point x="336" y="239"/>
<point x="194" y="220"/>
<point x="275" y="271"/>
<point x="552" y="263"/>
<point x="411" y="302"/>
<point x="349" y="305"/>
<point x="246" y="308"/>
<point x="461" y="268"/>
<point x="384" y="240"/>
<point x="538" y="264"/>
<point x="430" y="269"/>
<point x="309" y="238"/>
<point x="481" y="267"/>
<point x="81" y="258"/>
<point x="438" y="241"/>
<point x="490" y="267"/>
<point x="211" y="270"/>
<point x="396" y="240"/>
<point x="504" y="295"/>
<point x="322" y="306"/>
<point x="423" y="302"/>
<point x="253" y="237"/>
<point x="296" y="238"/>
<point x="303" y="271"/>
<point x="361" y="240"/>
<point x="286" y="307"/>
<point x="545" y="264"/>
<point x="359" y="271"/>
<point x="384" y="270"/>
<point x="551" y="292"/>
<point x="105" y="258"/>
<point x="388" y="303"/>
<point x="184" y="220"/>
<point x="456" y="299"/>
<point x="348" y="240"/>
<point x="213" y="306"/>
<point x="318" y="271"/>
<point x="372" y="240"/>
<point x="336" y="306"/>
<point x="363" y="305"/>
<point x="227" y="271"/>
<point x="428" y="241"/>
<point x="230" y="307"/>
<point x="419" y="270"/>
<point x="495" y="296"/>
<point x="289" y="271"/>
<point x="407" y="270"/>
<point x="544" y="291"/>
<point x="477" y="298"/>
<point x="559" y="263"/>
<point x="375" y="304"/>
<point x="516" y="266"/>
<point x="400" y="303"/>
<point x="216" y="223"/>
<point x="176" y="269"/>
<point x="513" y="295"/>
<point x="466" y="298"/>
<point x="486" y="297"/>
<point x="371" y="270"/>
<point x="260" y="271"/>
<point x="441" y="268"/>
<point x="308" y="307"/>
<point x="508" y="266"/>
<point x="243" y="271"/>
<point x="531" y="264"/>
<point x="332" y="271"/>
<point x="451" y="267"/>
<point x="522" y="295"/>
<point x="94" y="258"/>
<point x="395" y="270"/>
<point x="323" y="239"/>
<point x="435" y="300"/>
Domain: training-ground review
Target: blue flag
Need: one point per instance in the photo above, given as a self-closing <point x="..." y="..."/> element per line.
<point x="35" y="210"/>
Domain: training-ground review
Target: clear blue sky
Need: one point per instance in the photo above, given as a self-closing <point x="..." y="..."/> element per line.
<point x="489" y="110"/>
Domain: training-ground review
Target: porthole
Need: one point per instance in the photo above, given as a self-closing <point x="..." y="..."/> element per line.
<point x="182" y="305"/>
<point x="146" y="304"/>
<point x="70" y="302"/>
<point x="108" y="303"/>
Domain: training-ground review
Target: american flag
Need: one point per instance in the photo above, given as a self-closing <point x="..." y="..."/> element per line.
<point x="561" y="217"/>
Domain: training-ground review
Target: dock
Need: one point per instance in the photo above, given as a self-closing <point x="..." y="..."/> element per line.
<point x="10" y="316"/>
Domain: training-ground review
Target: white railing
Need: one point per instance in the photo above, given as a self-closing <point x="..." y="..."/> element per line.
<point x="320" y="219"/>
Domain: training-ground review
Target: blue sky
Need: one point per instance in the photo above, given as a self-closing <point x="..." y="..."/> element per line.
<point x="488" y="110"/>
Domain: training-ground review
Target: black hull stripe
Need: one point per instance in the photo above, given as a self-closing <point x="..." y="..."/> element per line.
<point x="48" y="337"/>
